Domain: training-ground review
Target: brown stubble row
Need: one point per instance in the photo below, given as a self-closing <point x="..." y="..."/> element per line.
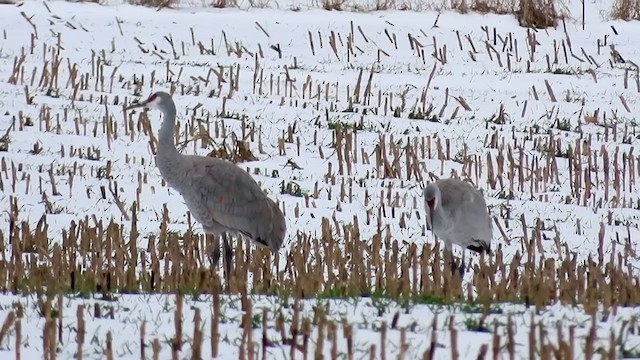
<point x="530" y="13"/>
<point x="533" y="13"/>
<point x="101" y="259"/>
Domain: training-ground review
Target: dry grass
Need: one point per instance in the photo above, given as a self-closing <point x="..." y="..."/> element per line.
<point x="155" y="3"/>
<point x="485" y="6"/>
<point x="260" y="4"/>
<point x="337" y="5"/>
<point x="180" y="263"/>
<point x="625" y="10"/>
<point x="537" y="13"/>
<point x="212" y="3"/>
<point x="530" y="13"/>
<point x="224" y="3"/>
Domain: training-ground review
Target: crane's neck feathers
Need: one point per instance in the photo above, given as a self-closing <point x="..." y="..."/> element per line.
<point x="168" y="160"/>
<point x="166" y="143"/>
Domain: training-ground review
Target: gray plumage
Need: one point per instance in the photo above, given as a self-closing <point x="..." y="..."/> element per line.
<point x="457" y="213"/>
<point x="221" y="196"/>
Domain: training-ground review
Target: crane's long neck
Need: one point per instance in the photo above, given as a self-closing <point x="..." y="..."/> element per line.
<point x="168" y="158"/>
<point x="166" y="144"/>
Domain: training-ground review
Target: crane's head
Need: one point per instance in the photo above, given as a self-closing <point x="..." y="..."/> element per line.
<point x="154" y="101"/>
<point x="431" y="200"/>
<point x="431" y="196"/>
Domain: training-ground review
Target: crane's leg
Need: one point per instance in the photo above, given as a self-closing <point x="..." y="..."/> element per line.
<point x="448" y="256"/>
<point x="215" y="257"/>
<point x="462" y="264"/>
<point x="228" y="257"/>
<point x="450" y="259"/>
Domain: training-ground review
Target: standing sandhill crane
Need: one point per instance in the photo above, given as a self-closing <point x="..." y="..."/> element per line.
<point x="221" y="196"/>
<point x="457" y="213"/>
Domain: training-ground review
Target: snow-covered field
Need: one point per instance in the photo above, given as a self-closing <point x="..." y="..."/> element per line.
<point x="348" y="115"/>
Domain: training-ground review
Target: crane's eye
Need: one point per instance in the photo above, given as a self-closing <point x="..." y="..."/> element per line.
<point x="152" y="97"/>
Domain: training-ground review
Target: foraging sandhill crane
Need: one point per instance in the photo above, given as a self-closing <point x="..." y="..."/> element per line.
<point x="457" y="213"/>
<point x="221" y="196"/>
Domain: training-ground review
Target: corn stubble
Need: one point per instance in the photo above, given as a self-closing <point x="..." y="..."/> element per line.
<point x="530" y="13"/>
<point x="373" y="268"/>
<point x="98" y="257"/>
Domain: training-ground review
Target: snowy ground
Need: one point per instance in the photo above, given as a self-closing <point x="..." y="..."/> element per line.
<point x="364" y="317"/>
<point x="107" y="55"/>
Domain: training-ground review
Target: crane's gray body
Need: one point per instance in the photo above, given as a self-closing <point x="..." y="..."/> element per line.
<point x="221" y="196"/>
<point x="225" y="199"/>
<point x="460" y="215"/>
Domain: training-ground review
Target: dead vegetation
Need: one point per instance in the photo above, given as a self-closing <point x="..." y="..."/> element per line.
<point x="156" y="3"/>
<point x="376" y="268"/>
<point x="227" y="3"/>
<point x="539" y="14"/>
<point x="333" y="4"/>
<point x="401" y="160"/>
<point x="530" y="13"/>
<point x="172" y="262"/>
<point x="94" y="256"/>
<point x="486" y="6"/>
<point x="626" y="10"/>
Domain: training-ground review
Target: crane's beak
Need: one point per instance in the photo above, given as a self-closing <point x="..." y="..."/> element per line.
<point x="431" y="220"/>
<point x="136" y="105"/>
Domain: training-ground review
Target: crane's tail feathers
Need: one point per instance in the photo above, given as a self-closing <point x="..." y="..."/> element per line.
<point x="278" y="229"/>
<point x="272" y="234"/>
<point x="228" y="251"/>
<point x="480" y="246"/>
<point x="260" y="241"/>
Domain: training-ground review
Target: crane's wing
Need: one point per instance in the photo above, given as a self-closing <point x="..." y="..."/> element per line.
<point x="455" y="197"/>
<point x="218" y="191"/>
<point x="466" y="205"/>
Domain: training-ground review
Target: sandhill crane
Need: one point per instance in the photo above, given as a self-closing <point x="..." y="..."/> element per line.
<point x="221" y="196"/>
<point x="457" y="213"/>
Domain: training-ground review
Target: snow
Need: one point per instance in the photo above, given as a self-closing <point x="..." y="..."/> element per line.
<point x="128" y="43"/>
<point x="366" y="316"/>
